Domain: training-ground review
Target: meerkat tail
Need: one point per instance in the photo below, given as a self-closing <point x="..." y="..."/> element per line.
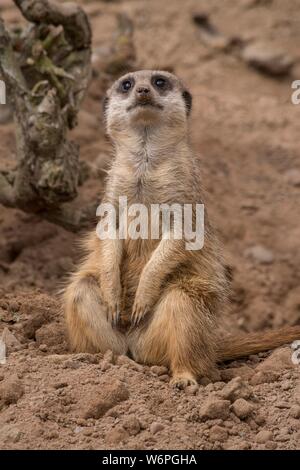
<point x="234" y="347"/>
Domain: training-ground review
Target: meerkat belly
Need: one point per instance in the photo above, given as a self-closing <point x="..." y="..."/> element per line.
<point x="138" y="244"/>
<point x="136" y="255"/>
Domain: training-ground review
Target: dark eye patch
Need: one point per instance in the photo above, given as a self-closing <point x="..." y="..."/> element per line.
<point x="126" y="85"/>
<point x="161" y="83"/>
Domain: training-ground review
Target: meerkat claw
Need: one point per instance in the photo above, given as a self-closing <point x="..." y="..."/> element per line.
<point x="116" y="318"/>
<point x="113" y="315"/>
<point x="138" y="314"/>
<point x="181" y="381"/>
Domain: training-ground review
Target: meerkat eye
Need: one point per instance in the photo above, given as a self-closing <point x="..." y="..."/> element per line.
<point x="126" y="85"/>
<point x="160" y="82"/>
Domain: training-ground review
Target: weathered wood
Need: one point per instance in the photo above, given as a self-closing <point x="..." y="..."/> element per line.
<point x="46" y="70"/>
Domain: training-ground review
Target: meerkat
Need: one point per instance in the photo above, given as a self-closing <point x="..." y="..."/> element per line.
<point x="153" y="298"/>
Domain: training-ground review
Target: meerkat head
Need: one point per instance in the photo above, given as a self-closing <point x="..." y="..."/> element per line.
<point x="146" y="99"/>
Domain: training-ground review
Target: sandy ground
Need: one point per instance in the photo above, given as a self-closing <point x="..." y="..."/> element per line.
<point x="246" y="129"/>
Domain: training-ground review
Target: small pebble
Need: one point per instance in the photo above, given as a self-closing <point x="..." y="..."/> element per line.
<point x="156" y="427"/>
<point x="263" y="436"/>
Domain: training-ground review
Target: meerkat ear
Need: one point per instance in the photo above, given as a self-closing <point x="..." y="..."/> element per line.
<point x="104" y="104"/>
<point x="188" y="101"/>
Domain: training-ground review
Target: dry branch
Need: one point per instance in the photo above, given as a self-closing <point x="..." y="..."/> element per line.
<point x="46" y="69"/>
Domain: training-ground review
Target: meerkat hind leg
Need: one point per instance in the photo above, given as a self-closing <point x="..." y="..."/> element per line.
<point x="87" y="324"/>
<point x="179" y="336"/>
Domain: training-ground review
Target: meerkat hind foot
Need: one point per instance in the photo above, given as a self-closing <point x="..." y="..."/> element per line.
<point x="182" y="379"/>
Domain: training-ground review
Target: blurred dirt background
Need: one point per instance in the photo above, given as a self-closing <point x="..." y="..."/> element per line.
<point x="247" y="130"/>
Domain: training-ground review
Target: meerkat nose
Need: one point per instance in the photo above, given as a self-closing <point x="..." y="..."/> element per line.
<point x="143" y="90"/>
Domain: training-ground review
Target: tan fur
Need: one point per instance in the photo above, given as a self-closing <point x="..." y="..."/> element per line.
<point x="172" y="294"/>
<point x="253" y="343"/>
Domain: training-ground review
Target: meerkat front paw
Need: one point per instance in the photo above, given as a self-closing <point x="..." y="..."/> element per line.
<point x="112" y="313"/>
<point x="182" y="379"/>
<point x="139" y="310"/>
<point x="145" y="297"/>
<point x="110" y="290"/>
<point x="112" y="306"/>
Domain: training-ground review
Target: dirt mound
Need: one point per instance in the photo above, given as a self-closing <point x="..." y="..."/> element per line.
<point x="32" y="320"/>
<point x="84" y="401"/>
